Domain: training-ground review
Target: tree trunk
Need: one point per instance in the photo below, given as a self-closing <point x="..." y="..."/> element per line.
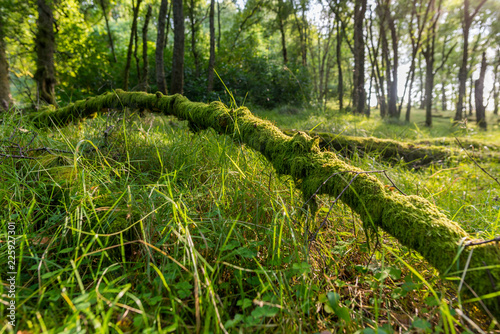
<point x="136" y="57"/>
<point x="359" y="93"/>
<point x="218" y="26"/>
<point x="110" y="36"/>
<point x="161" y="83"/>
<point x="479" y="93"/>
<point x="422" y="82"/>
<point x="462" y="73"/>
<point x="340" y="79"/>
<point x="393" y="86"/>
<point x="429" y="86"/>
<point x="471" y="94"/>
<point x="145" y="62"/>
<point x="211" y="60"/>
<point x="443" y="96"/>
<point x="5" y="97"/>
<point x="496" y="84"/>
<point x="133" y="31"/>
<point x="45" y="74"/>
<point x="167" y="24"/>
<point x="194" y="30"/>
<point x="304" y="36"/>
<point x="281" y="26"/>
<point x="178" y="56"/>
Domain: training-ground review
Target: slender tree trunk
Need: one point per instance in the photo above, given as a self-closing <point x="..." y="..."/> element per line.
<point x="145" y="62"/>
<point x="5" y="97"/>
<point x="340" y="82"/>
<point x="136" y="57"/>
<point x="471" y="94"/>
<point x="281" y="25"/>
<point x="194" y="31"/>
<point x="211" y="60"/>
<point x="45" y="75"/>
<point x="462" y="74"/>
<point x="304" y="37"/>
<point x="359" y="93"/>
<point x="479" y="94"/>
<point x="429" y="86"/>
<point x="393" y="87"/>
<point x="110" y="36"/>
<point x="443" y="96"/>
<point x="167" y="24"/>
<point x="161" y="83"/>
<point x="218" y="26"/>
<point x="496" y="84"/>
<point x="178" y="56"/>
<point x="133" y="32"/>
<point x="422" y="82"/>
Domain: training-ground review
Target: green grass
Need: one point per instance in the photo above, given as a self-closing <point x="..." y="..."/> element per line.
<point x="155" y="229"/>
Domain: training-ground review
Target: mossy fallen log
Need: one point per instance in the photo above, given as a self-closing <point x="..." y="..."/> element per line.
<point x="412" y="220"/>
<point x="390" y="150"/>
<point x="414" y="153"/>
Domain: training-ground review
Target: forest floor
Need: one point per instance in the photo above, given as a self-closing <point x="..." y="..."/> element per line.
<point x="133" y="224"/>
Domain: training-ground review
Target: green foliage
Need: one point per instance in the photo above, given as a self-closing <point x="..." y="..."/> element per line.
<point x="205" y="216"/>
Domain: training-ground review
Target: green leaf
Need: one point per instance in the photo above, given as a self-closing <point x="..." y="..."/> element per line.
<point x="244" y="303"/>
<point x="265" y="311"/>
<point x="333" y="299"/>
<point x="232" y="323"/>
<point x="421" y="324"/>
<point x="343" y="313"/>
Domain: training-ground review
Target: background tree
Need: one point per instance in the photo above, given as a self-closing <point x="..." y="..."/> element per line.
<point x="5" y="96"/>
<point x="478" y="94"/>
<point x="359" y="93"/>
<point x="45" y="75"/>
<point x="211" y="61"/>
<point x="178" y="53"/>
<point x="161" y="83"/>
<point x="110" y="36"/>
<point x="133" y="33"/>
<point x="467" y="20"/>
<point x="145" y="63"/>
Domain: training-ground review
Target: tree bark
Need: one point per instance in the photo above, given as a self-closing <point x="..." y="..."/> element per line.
<point x="340" y="79"/>
<point x="414" y="221"/>
<point x="359" y="93"/>
<point x="133" y="32"/>
<point x="110" y="36"/>
<point x="393" y="82"/>
<point x="5" y="96"/>
<point x="281" y="26"/>
<point x="211" y="60"/>
<point x="478" y="95"/>
<point x="496" y="84"/>
<point x="178" y="56"/>
<point x="45" y="45"/>
<point x="145" y="61"/>
<point x="462" y="73"/>
<point x="218" y="26"/>
<point x="161" y="83"/>
<point x="194" y="31"/>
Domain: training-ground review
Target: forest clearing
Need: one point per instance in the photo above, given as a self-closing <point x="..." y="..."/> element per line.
<point x="231" y="167"/>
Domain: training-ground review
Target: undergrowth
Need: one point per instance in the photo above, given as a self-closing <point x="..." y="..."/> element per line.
<point x="130" y="223"/>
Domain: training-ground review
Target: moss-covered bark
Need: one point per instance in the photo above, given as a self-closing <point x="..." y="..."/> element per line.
<point x="414" y="221"/>
<point x="414" y="154"/>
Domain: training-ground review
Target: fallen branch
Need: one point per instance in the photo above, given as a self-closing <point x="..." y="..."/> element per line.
<point x="416" y="155"/>
<point x="412" y="220"/>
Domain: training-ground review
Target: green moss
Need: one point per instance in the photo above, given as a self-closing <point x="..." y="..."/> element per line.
<point x="414" y="221"/>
